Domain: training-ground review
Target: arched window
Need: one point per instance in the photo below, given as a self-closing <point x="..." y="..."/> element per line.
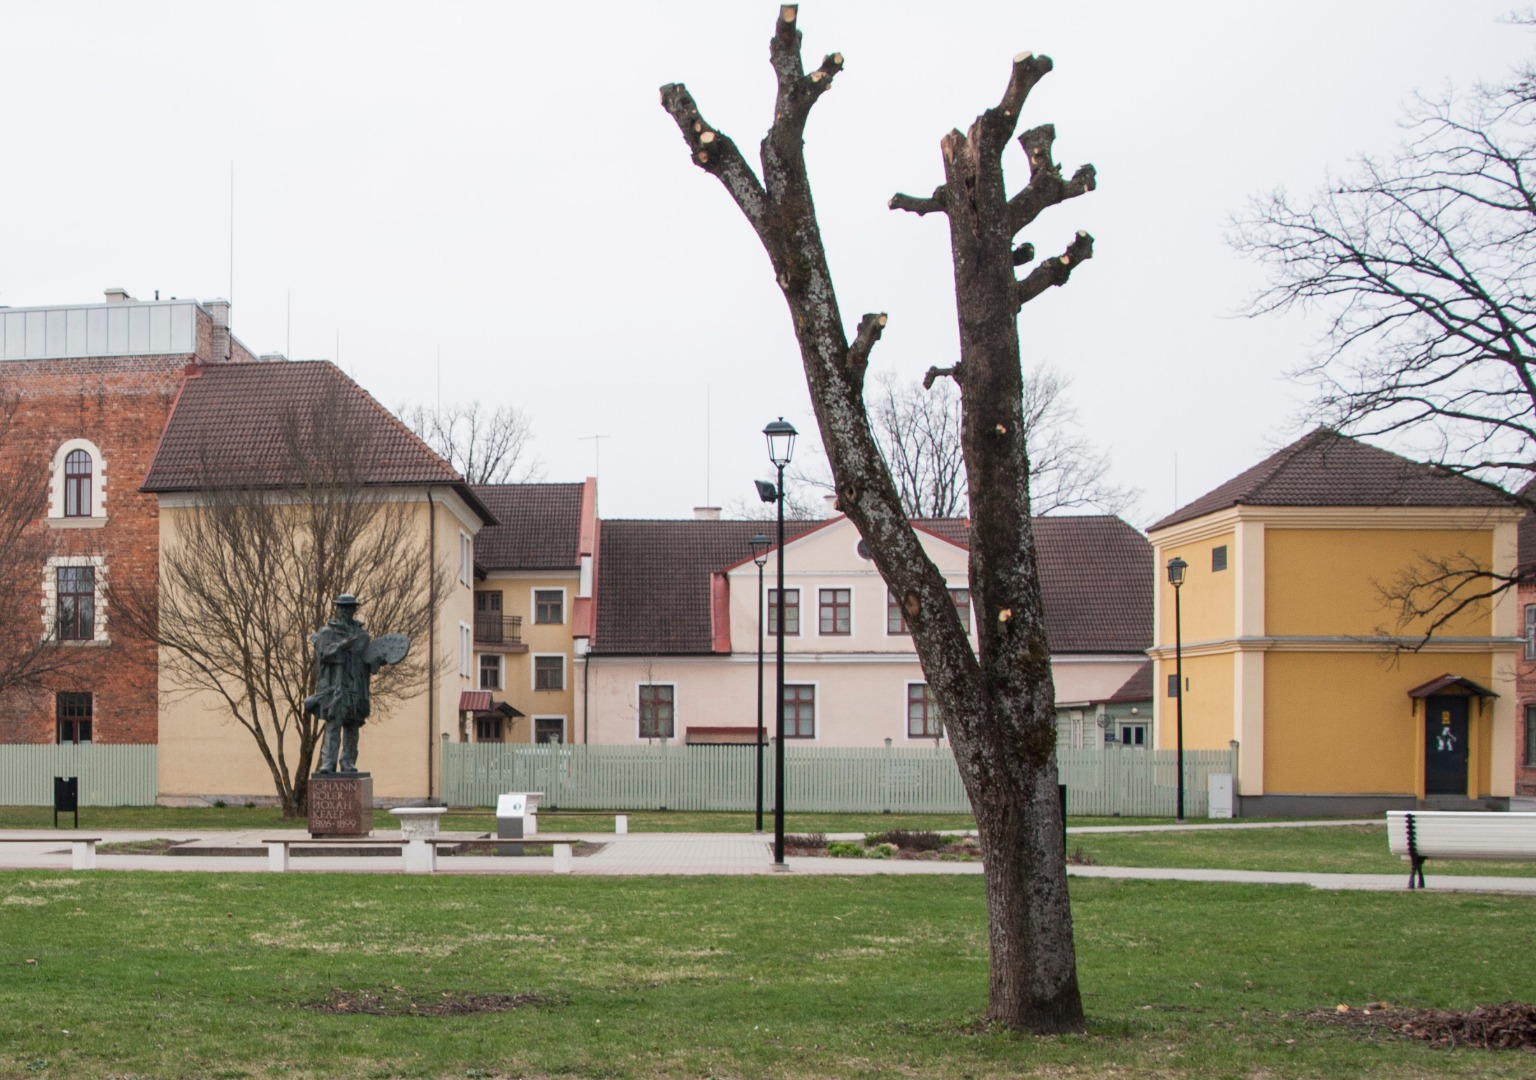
<point x="77" y="484"/>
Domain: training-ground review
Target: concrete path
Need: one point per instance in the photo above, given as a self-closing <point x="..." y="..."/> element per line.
<point x="647" y="854"/>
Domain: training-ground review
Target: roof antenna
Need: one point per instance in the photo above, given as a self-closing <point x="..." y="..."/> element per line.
<point x="597" y="447"/>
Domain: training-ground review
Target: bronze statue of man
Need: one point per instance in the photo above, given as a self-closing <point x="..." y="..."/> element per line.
<point x="346" y="659"/>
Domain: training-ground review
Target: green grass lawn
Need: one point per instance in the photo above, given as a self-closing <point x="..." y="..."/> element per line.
<point x="137" y="974"/>
<point x="1332" y="849"/>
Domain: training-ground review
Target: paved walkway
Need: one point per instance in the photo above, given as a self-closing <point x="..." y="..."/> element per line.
<point x="676" y="854"/>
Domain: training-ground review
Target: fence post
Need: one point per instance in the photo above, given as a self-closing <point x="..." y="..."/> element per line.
<point x="885" y="779"/>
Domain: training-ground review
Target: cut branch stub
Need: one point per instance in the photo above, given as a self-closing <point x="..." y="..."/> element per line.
<point x="871" y="326"/>
<point x="1054" y="271"/>
<point x="935" y="373"/>
<point x="935" y="203"/>
<point x="1046" y="188"/>
<point x="1024" y="253"/>
<point x="714" y="152"/>
<point x="998" y="123"/>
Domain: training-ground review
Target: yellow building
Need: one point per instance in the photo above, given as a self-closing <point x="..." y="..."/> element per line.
<point x="1294" y="648"/>
<point x="533" y="590"/>
<point x="259" y="464"/>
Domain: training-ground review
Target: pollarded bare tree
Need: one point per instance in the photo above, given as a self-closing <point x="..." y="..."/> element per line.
<point x="251" y="572"/>
<point x="998" y="699"/>
<point x="1425" y="264"/>
<point x="486" y="446"/>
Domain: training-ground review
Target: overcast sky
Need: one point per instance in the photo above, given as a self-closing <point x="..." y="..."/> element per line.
<point x="487" y="201"/>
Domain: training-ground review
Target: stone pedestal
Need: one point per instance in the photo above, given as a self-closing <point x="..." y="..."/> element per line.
<point x="341" y="804"/>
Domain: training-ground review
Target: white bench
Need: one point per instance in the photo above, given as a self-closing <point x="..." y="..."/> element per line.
<point x="1418" y="835"/>
<point x="420" y="853"/>
<point x="82" y="849"/>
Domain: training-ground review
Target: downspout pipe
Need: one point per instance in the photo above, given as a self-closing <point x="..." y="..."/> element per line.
<point x="432" y="601"/>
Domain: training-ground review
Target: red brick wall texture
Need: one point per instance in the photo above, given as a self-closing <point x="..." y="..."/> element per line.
<point x="120" y="404"/>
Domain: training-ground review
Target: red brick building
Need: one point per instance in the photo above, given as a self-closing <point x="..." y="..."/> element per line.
<point x="93" y="385"/>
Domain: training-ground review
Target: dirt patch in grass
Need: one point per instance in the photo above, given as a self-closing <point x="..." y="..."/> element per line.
<point x="1510" y="1026"/>
<point x="397" y="1001"/>
<point x="158" y="846"/>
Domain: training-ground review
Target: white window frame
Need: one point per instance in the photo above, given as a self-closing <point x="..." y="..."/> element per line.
<point x="466" y="650"/>
<point x="639" y="717"/>
<point x="533" y="605"/>
<point x="815" y="686"/>
<point x="533" y="726"/>
<point x="98" y="515"/>
<point x="533" y="673"/>
<point x="852" y="626"/>
<point x="466" y="560"/>
<point x="771" y="611"/>
<point x="906" y="709"/>
<point x="99" y="634"/>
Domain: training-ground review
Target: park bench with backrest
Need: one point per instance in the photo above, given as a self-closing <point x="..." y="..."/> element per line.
<point x="1418" y="835"/>
<point x="82" y="848"/>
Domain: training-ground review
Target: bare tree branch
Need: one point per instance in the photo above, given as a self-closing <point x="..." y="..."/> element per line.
<point x="1054" y="272"/>
<point x="485" y="446"/>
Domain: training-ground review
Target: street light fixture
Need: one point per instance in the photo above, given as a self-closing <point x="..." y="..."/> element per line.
<point x="1176" y="568"/>
<point x="781" y="446"/>
<point x="760" y="545"/>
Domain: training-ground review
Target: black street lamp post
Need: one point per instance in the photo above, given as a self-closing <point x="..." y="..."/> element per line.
<point x="760" y="545"/>
<point x="1176" y="568"/>
<point x="781" y="446"/>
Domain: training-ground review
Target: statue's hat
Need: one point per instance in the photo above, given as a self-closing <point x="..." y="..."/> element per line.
<point x="346" y="599"/>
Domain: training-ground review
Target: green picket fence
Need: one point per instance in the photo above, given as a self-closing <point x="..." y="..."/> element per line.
<point x="918" y="780"/>
<point x="110" y="774"/>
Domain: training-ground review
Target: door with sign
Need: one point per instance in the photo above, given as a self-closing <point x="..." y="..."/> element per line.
<point x="1445" y="746"/>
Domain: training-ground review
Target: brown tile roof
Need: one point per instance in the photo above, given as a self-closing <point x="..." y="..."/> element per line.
<point x="1325" y="468"/>
<point x="235" y="425"/>
<point x="653" y="581"/>
<point x="1137" y="688"/>
<point x="540" y="527"/>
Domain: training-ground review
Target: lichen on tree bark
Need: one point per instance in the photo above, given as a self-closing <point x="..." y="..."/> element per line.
<point x="998" y="699"/>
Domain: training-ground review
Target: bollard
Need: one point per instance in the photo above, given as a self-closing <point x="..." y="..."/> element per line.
<point x="620" y="824"/>
<point x="562" y="858"/>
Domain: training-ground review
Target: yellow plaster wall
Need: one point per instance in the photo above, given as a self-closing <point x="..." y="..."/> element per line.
<point x="1328" y="581"/>
<point x="1340" y="722"/>
<point x="1207" y="702"/>
<point x="517" y="668"/>
<point x="205" y="752"/>
<point x="1207" y="598"/>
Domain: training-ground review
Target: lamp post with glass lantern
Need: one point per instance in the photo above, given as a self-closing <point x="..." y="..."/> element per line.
<point x="1176" y="568"/>
<point x="781" y="447"/>
<point x="760" y="545"/>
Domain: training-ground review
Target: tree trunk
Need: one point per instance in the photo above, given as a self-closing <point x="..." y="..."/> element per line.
<point x="998" y="701"/>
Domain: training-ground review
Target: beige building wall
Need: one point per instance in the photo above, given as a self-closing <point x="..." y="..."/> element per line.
<point x="205" y="753"/>
<point x="541" y="636"/>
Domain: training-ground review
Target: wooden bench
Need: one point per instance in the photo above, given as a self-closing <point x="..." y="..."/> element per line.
<point x="420" y="854"/>
<point x="82" y="849"/>
<point x="1418" y="835"/>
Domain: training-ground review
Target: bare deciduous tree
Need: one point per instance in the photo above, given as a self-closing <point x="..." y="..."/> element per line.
<point x="29" y="650"/>
<point x="918" y="429"/>
<point x="998" y="698"/>
<point x="486" y="446"/>
<point x="251" y="572"/>
<point x="1425" y="264"/>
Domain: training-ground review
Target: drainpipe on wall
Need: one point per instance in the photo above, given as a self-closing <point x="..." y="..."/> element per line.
<point x="586" y="696"/>
<point x="431" y="639"/>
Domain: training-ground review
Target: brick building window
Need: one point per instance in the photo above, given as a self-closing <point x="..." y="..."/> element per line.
<point x="922" y="713"/>
<point x="1530" y="736"/>
<point x="800" y="712"/>
<point x="836" y="612"/>
<point x="1530" y="631"/>
<point x="76" y="595"/>
<point x="78" y="470"/>
<point x="791" y="611"/>
<point x="77" y="489"/>
<point x="549" y="672"/>
<point x="74" y="713"/>
<point x="657" y="710"/>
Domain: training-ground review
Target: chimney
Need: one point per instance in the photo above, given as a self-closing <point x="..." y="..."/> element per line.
<point x="271" y="357"/>
<point x="118" y="296"/>
<point x="706" y="513"/>
<point x="218" y="310"/>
